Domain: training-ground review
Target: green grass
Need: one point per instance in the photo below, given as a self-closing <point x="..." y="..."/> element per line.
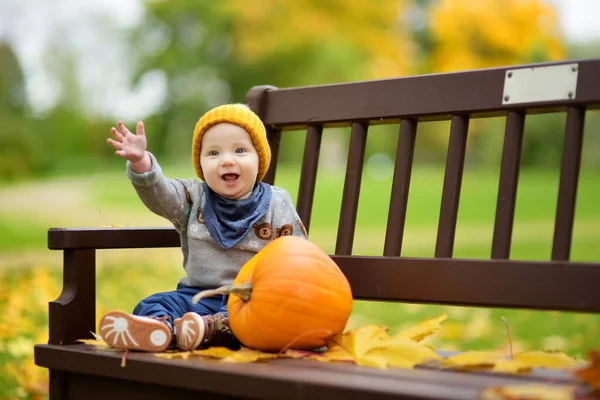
<point x="109" y="198"/>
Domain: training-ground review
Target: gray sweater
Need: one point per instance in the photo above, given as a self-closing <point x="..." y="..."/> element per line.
<point x="206" y="264"/>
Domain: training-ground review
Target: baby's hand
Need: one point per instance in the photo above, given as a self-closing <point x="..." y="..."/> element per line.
<point x="129" y="146"/>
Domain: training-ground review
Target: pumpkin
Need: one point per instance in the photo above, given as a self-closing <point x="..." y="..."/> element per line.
<point x="290" y="295"/>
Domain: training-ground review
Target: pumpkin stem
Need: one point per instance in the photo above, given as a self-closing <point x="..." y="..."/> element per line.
<point x="242" y="291"/>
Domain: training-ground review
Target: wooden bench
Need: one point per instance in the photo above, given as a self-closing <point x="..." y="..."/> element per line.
<point x="82" y="371"/>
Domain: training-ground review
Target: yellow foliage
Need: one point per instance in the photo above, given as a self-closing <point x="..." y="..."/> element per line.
<point x="279" y="26"/>
<point x="486" y="33"/>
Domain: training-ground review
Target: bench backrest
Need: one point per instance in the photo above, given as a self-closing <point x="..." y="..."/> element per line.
<point x="513" y="93"/>
<point x="556" y="284"/>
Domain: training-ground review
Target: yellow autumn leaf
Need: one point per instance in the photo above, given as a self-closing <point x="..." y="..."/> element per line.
<point x="423" y="329"/>
<point x="545" y="359"/>
<point x="472" y="359"/>
<point x="93" y="342"/>
<point x="532" y="391"/>
<point x="356" y="341"/>
<point x="171" y="355"/>
<point x="214" y="352"/>
<point x="510" y="367"/>
<point x="97" y="341"/>
<point x="399" y="352"/>
<point x="333" y="353"/>
<point x="245" y="355"/>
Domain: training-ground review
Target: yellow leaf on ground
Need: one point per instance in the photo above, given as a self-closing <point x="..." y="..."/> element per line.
<point x="530" y="392"/>
<point x="472" y="359"/>
<point x="423" y="329"/>
<point x="400" y="352"/>
<point x="545" y="359"/>
<point x="356" y="341"/>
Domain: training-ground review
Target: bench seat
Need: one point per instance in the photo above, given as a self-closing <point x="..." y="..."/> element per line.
<point x="150" y="377"/>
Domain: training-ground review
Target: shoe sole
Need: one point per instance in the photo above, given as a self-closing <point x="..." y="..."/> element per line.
<point x="122" y="330"/>
<point x="189" y="331"/>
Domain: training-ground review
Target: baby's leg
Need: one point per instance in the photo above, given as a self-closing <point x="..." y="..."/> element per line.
<point x="205" y="324"/>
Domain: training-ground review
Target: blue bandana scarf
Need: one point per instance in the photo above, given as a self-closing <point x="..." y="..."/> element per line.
<point x="228" y="221"/>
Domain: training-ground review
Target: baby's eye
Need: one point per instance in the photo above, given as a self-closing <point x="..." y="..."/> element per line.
<point x="213" y="153"/>
<point x="240" y="150"/>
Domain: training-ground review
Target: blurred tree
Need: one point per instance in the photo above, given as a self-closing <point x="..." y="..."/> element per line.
<point x="18" y="150"/>
<point x="463" y="35"/>
<point x="488" y="33"/>
<point x="212" y="53"/>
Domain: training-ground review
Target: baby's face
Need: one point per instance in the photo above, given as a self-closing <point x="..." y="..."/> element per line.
<point x="229" y="161"/>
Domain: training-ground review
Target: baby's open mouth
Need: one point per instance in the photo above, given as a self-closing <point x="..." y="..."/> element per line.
<point x="229" y="177"/>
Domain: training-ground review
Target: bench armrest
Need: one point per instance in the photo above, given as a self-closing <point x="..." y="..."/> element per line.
<point x="111" y="238"/>
<point x="72" y="315"/>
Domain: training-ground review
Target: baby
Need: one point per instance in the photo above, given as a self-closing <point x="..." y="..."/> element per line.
<point x="223" y="221"/>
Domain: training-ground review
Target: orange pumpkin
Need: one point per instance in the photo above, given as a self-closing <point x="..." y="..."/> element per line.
<point x="291" y="294"/>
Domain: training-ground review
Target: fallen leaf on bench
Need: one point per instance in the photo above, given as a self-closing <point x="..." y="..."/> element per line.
<point x="423" y="329"/>
<point x="545" y="359"/>
<point x="590" y="374"/>
<point x="243" y="355"/>
<point x="356" y="341"/>
<point x="170" y="355"/>
<point x="530" y="392"/>
<point x="399" y="352"/>
<point x="97" y="341"/>
<point x="510" y="367"/>
<point x="333" y="353"/>
<point x="521" y="362"/>
<point x="472" y="359"/>
<point x="94" y="342"/>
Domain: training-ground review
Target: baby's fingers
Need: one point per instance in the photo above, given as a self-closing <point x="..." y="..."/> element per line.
<point x="114" y="143"/>
<point x="122" y="129"/>
<point x="139" y="129"/>
<point x="116" y="134"/>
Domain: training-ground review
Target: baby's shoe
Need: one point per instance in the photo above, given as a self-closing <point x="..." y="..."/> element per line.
<point x="193" y="331"/>
<point x="132" y="332"/>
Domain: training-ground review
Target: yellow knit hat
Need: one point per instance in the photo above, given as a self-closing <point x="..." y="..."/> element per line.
<point x="242" y="116"/>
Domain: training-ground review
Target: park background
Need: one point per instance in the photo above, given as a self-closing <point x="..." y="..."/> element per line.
<point x="69" y="70"/>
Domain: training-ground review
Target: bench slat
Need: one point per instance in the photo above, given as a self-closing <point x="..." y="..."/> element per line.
<point x="425" y="97"/>
<point x="356" y="156"/>
<point x="297" y="379"/>
<point x="569" y="177"/>
<point x="308" y="175"/>
<point x="274" y="138"/>
<point x="400" y="186"/>
<point x="550" y="285"/>
<point x="507" y="188"/>
<point x="452" y="183"/>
